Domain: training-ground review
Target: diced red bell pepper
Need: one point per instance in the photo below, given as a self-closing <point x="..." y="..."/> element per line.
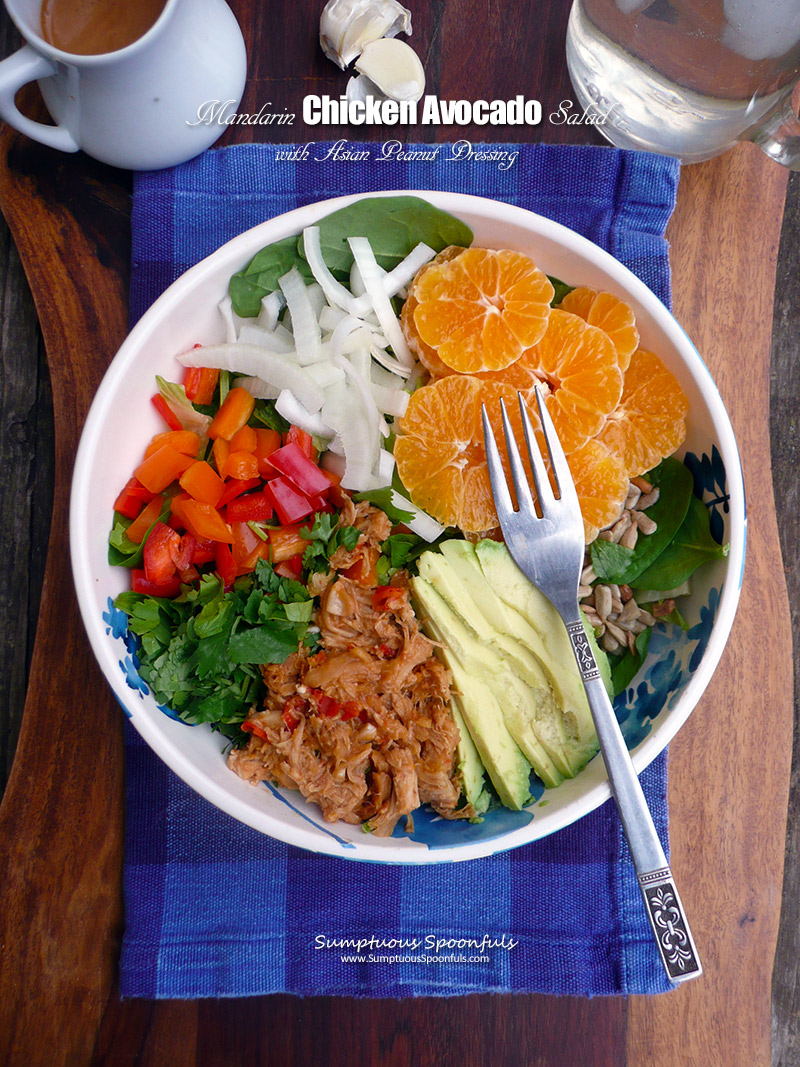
<point x="204" y="552"/>
<point x="200" y="384"/>
<point x="254" y="507"/>
<point x="166" y="412"/>
<point x="352" y="710"/>
<point x="226" y="568"/>
<point x="327" y="705"/>
<point x="132" y="499"/>
<point x="387" y="598"/>
<point x="303" y="439"/>
<point x="247" y="547"/>
<point x="254" y="728"/>
<point x="300" y="470"/>
<point x="182" y="553"/>
<point x="289" y="502"/>
<point x="140" y="584"/>
<point x="158" y="553"/>
<point x="291" y="568"/>
<point x="235" y="487"/>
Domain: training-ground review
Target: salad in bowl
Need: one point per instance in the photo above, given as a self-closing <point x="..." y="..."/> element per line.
<point x="284" y="536"/>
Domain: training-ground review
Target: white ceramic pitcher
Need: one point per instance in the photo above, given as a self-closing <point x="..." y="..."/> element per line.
<point x="135" y="108"/>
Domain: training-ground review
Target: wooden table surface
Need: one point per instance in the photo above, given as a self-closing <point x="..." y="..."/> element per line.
<point x="62" y="812"/>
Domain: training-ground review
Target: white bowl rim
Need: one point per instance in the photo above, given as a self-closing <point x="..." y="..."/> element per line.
<point x="236" y="252"/>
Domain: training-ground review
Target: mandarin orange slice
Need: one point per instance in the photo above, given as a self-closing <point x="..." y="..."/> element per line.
<point x="425" y="353"/>
<point x="601" y="483"/>
<point x="650" y="421"/>
<point x="609" y="314"/>
<point x="440" y="455"/>
<point x="482" y="309"/>
<point x="578" y="368"/>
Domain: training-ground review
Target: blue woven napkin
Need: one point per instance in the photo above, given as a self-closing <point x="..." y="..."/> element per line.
<point x="215" y="909"/>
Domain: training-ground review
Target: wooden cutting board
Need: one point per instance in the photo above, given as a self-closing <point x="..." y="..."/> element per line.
<point x="61" y="818"/>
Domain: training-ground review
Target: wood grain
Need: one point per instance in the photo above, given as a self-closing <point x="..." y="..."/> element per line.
<point x="61" y="816"/>
<point x="729" y="767"/>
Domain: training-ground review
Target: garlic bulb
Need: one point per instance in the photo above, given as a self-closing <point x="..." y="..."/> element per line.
<point x="360" y="87"/>
<point x="394" y="67"/>
<point x="346" y="27"/>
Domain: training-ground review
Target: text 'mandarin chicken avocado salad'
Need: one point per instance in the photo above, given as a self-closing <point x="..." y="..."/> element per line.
<point x="316" y="566"/>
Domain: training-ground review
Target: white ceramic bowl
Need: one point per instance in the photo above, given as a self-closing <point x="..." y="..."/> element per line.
<point x="121" y="421"/>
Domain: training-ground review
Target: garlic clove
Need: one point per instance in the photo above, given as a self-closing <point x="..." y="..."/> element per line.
<point x="394" y="67"/>
<point x="346" y="27"/>
<point x="360" y="87"/>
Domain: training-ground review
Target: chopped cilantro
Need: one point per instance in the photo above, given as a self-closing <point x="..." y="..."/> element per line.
<point x="325" y="536"/>
<point x="200" y="653"/>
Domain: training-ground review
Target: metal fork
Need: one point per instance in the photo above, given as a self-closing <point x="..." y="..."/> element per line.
<point x="549" y="549"/>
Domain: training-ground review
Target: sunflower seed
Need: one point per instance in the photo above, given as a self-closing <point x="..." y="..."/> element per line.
<point x="632" y="499"/>
<point x="602" y="601"/>
<point x="644" y="522"/>
<point x="642" y="483"/>
<point x="647" y="501"/>
<point x="629" y="538"/>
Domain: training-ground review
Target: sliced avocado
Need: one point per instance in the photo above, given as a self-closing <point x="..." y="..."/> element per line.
<point x="470" y="768"/>
<point x="457" y="577"/>
<point x="484" y="686"/>
<point x="528" y="603"/>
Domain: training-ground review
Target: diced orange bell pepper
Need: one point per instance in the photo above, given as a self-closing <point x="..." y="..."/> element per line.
<point x="204" y="521"/>
<point x="202" y="482"/>
<point x="144" y="520"/>
<point x="200" y="384"/>
<point x="247" y="547"/>
<point x="221" y="450"/>
<point x="235" y="410"/>
<point x="267" y="442"/>
<point x="181" y="440"/>
<point x="286" y="541"/>
<point x="244" y="440"/>
<point x="161" y="468"/>
<point x="240" y="465"/>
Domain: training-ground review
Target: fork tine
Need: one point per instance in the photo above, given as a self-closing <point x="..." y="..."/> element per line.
<point x="518" y="475"/>
<point x="541" y="481"/>
<point x="565" y="485"/>
<point x="502" y="497"/>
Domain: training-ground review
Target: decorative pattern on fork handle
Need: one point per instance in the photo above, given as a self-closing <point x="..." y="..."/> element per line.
<point x="583" y="651"/>
<point x="665" y="912"/>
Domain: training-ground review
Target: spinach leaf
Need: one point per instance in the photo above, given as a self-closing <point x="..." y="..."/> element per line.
<point x="561" y="290"/>
<point x="393" y="224"/>
<point x="262" y="273"/>
<point x="620" y="565"/>
<point x="692" y="546"/>
<point x="382" y="499"/>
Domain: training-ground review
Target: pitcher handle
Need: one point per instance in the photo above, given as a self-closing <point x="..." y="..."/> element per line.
<point x="778" y="134"/>
<point x="25" y="66"/>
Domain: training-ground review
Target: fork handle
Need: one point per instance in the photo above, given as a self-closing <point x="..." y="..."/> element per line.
<point x="664" y="909"/>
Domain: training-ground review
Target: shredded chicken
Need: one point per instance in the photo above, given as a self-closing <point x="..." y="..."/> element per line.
<point x="363" y="728"/>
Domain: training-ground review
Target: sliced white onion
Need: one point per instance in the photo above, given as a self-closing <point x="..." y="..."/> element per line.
<point x="390" y="401"/>
<point x="251" y="333"/>
<point x="384" y="468"/>
<point x="272" y="367"/>
<point x="324" y="373"/>
<point x="226" y="311"/>
<point x="372" y="275"/>
<point x="305" y="326"/>
<point x="293" y="411"/>
<point x="400" y="276"/>
<point x="380" y="355"/>
<point x="330" y="317"/>
<point x="421" y="523"/>
<point x="271" y="307"/>
<point x="345" y="411"/>
<point x="258" y="388"/>
<point x="335" y="292"/>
